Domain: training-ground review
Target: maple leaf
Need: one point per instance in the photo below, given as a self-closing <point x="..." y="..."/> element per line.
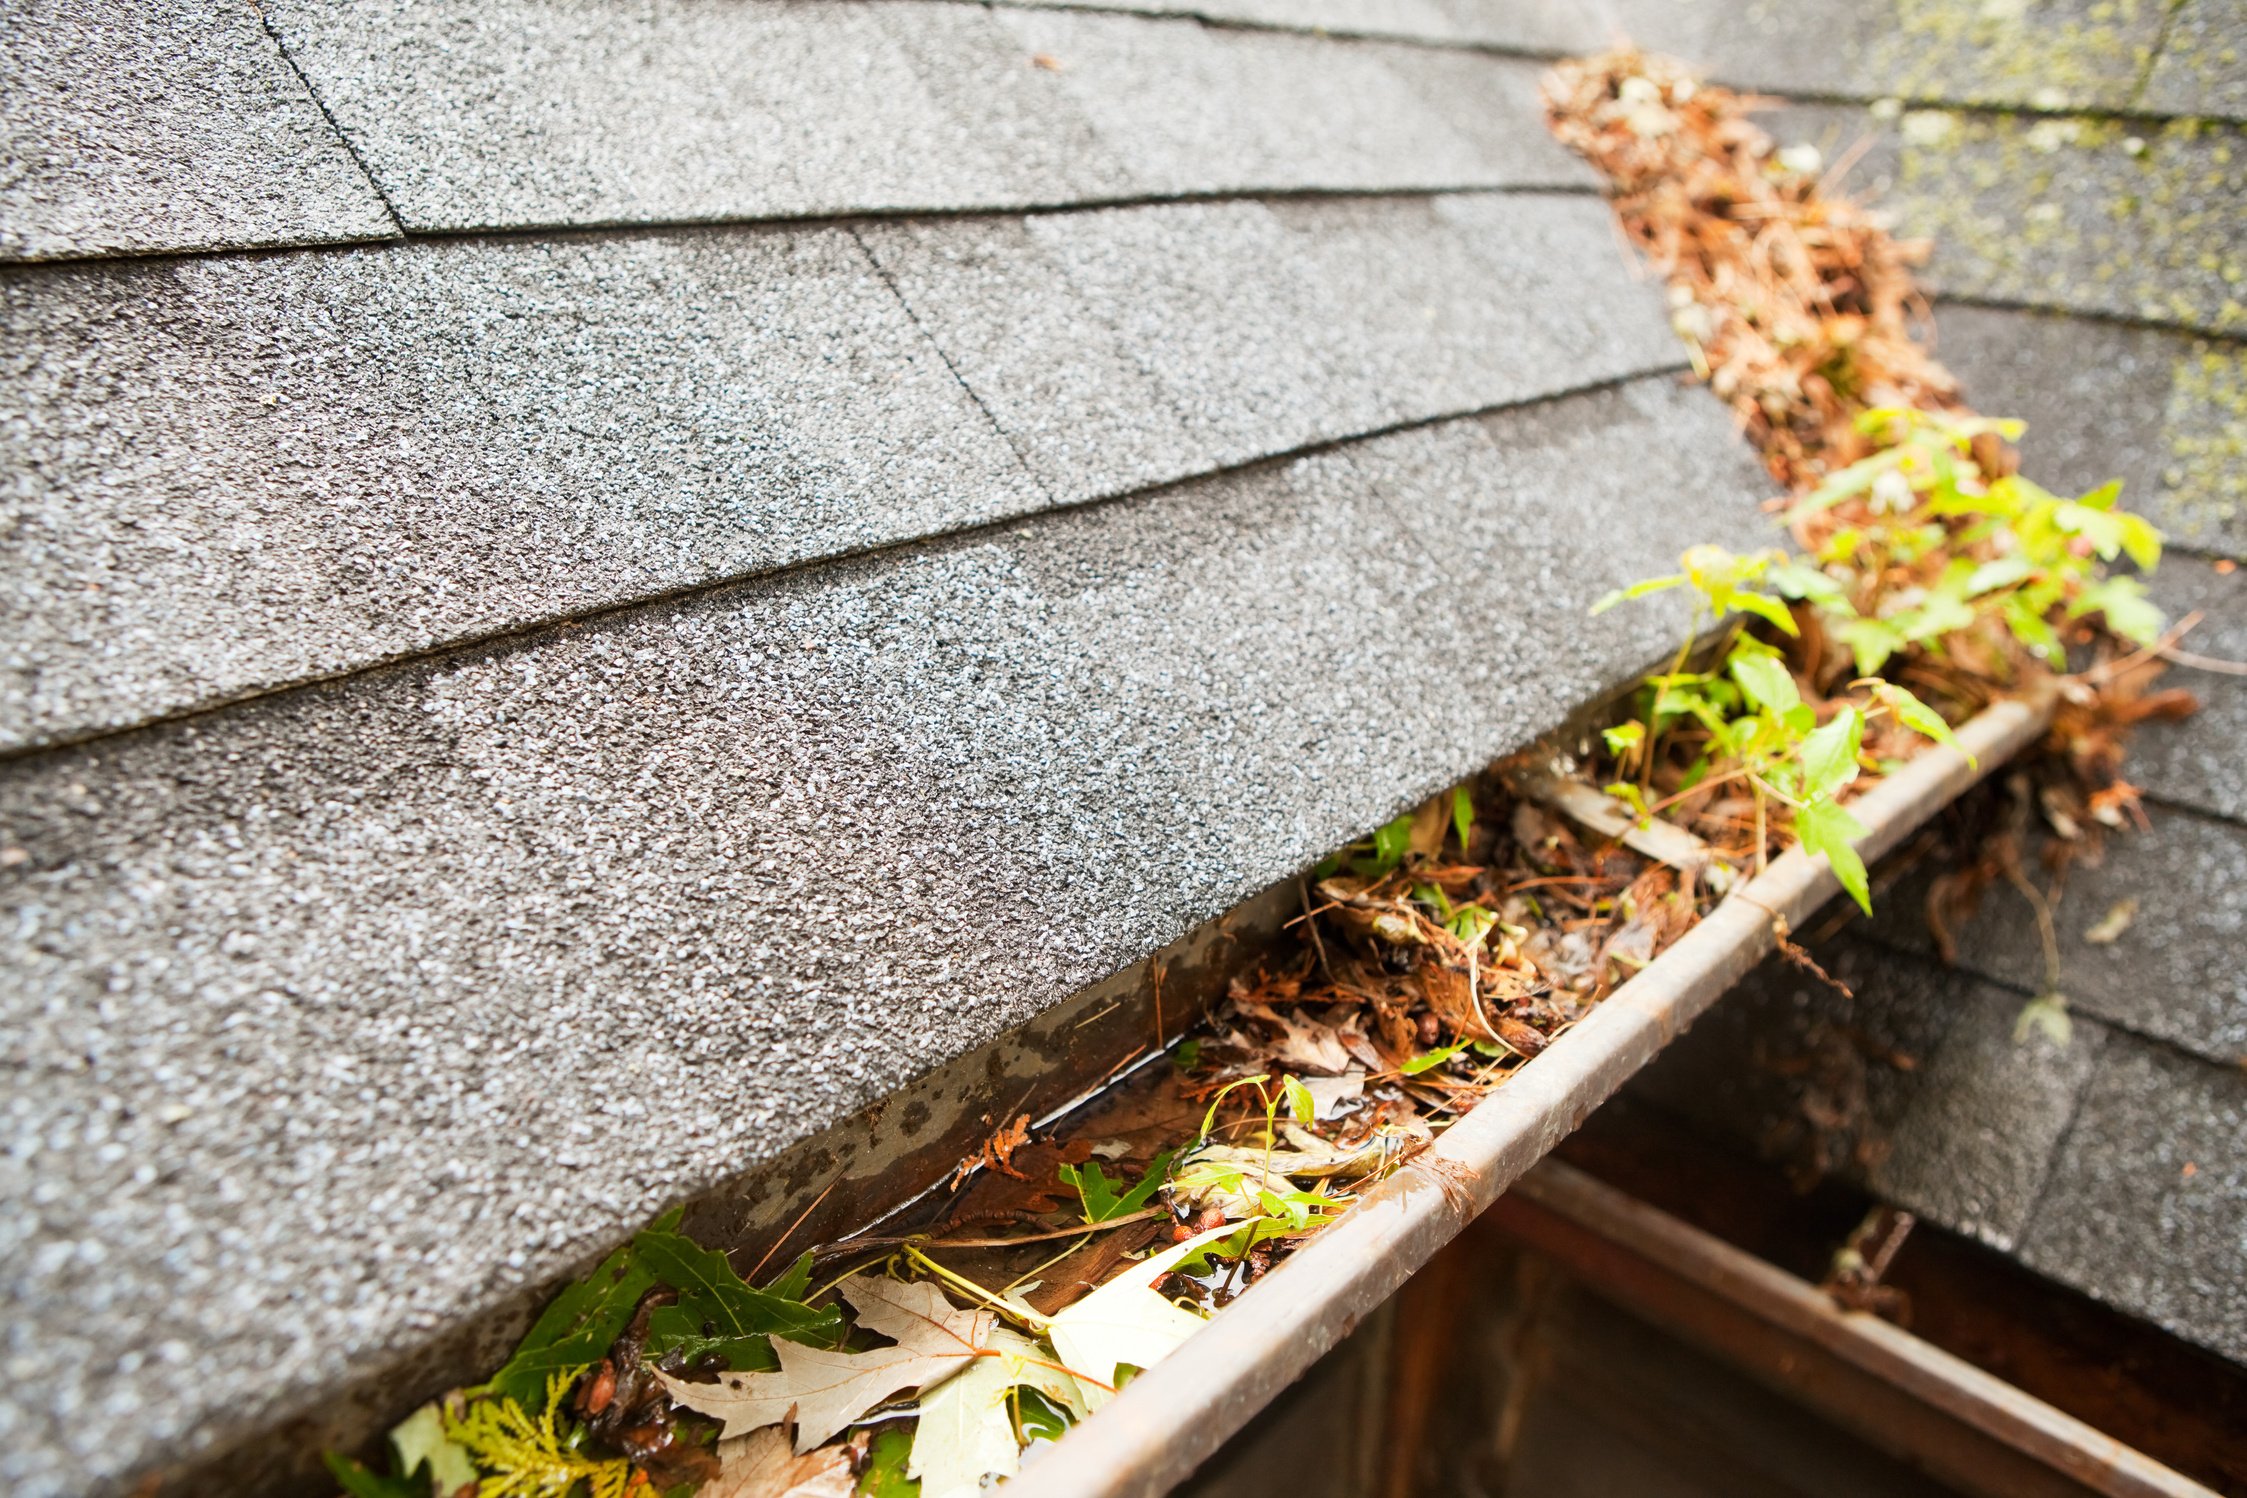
<point x="1303" y="1045"/>
<point x="760" y="1465"/>
<point x="1126" y="1322"/>
<point x="822" y="1390"/>
<point x="966" y="1431"/>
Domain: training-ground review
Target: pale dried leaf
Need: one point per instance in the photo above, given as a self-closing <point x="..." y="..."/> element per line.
<point x="824" y="1390"/>
<point x="1126" y="1322"/>
<point x="966" y="1431"/>
<point x="760" y="1465"/>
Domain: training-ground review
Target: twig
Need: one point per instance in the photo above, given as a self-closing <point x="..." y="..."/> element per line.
<point x="799" y="1222"/>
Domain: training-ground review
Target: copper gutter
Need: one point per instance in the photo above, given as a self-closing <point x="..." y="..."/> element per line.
<point x="1176" y="1415"/>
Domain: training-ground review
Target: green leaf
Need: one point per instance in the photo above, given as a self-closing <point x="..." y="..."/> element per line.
<point x="1766" y="608"/>
<point x="1471" y="923"/>
<point x="1872" y="642"/>
<point x="712" y="1296"/>
<point x="2029" y="626"/>
<point x="1103" y="1202"/>
<point x="575" y="1330"/>
<point x="2046" y="1014"/>
<point x="1390" y="843"/>
<point x="1916" y="715"/>
<point x="1940" y="615"/>
<point x="1766" y="680"/>
<point x="1188" y="1055"/>
<point x="2141" y="542"/>
<point x="1430" y="1060"/>
<point x="358" y="1482"/>
<point x="1462" y="814"/>
<point x="1300" y="1103"/>
<point x="2125" y="606"/>
<point x="1798" y="579"/>
<point x="2002" y="573"/>
<point x="1638" y="590"/>
<point x="795" y="1284"/>
<point x="1824" y="827"/>
<point x="1829" y="754"/>
<point x="1624" y="737"/>
<point x="884" y="1476"/>
<point x="420" y="1441"/>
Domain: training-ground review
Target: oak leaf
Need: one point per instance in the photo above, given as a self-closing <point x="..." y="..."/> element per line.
<point x="824" y="1390"/>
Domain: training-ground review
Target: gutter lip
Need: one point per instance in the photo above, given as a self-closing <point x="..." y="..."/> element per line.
<point x="1171" y="1418"/>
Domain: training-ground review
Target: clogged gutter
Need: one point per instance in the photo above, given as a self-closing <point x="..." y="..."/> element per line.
<point x="1433" y="964"/>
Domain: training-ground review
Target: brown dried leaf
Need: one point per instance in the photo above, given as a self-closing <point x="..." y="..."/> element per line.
<point x="760" y="1465"/>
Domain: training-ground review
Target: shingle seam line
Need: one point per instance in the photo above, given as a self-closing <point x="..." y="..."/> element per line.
<point x="2085" y="314"/>
<point x="2166" y="1043"/>
<point x="912" y="315"/>
<point x="845" y="219"/>
<point x="374" y="185"/>
<point x="2170" y="802"/>
<point x="454" y="649"/>
<point x="1527" y="53"/>
<point x="2153" y="55"/>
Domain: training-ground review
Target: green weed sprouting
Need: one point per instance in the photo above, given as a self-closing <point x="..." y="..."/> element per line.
<point x="1933" y="557"/>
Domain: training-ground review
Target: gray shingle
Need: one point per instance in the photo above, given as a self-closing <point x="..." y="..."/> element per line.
<point x="2164" y="412"/>
<point x="1524" y="25"/>
<point x="2202" y="68"/>
<point x="513" y="113"/>
<point x="2147" y="1204"/>
<point x="2201" y="762"/>
<point x="649" y="898"/>
<point x="226" y="474"/>
<point x="2175" y="973"/>
<point x="2136" y="220"/>
<point x="141" y="126"/>
<point x="1129" y="346"/>
<point x="2048" y="53"/>
<point x="1916" y="1083"/>
<point x="472" y="436"/>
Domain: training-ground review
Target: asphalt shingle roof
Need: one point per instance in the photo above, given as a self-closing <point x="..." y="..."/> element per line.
<point x="135" y="126"/>
<point x="317" y="994"/>
<point x="757" y="661"/>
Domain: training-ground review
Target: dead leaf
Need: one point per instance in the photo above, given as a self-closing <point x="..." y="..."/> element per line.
<point x="966" y="1432"/>
<point x="1302" y="1045"/>
<point x="1126" y="1322"/>
<point x="997" y="1152"/>
<point x="2111" y="925"/>
<point x="824" y="1390"/>
<point x="760" y="1465"/>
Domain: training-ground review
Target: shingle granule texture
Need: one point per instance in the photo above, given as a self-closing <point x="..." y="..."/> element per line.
<point x="227" y="475"/>
<point x="2145" y="220"/>
<point x="2202" y="68"/>
<point x="224" y="474"/>
<point x="2164" y="412"/>
<point x="518" y="113"/>
<point x="338" y="1014"/>
<point x="1130" y="346"/>
<point x="134" y="127"/>
<point x="2146" y="1208"/>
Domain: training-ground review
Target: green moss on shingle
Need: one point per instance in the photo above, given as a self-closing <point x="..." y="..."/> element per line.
<point x="2206" y="481"/>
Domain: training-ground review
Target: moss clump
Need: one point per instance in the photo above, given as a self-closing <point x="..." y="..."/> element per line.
<point x="2080" y="212"/>
<point x="2046" y="54"/>
<point x="2206" y="482"/>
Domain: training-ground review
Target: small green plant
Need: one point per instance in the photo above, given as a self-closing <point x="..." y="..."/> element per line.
<point x="1913" y="549"/>
<point x="1102" y="1200"/>
<point x="530" y="1456"/>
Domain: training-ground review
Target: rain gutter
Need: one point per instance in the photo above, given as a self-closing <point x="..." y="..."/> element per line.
<point x="1173" y="1417"/>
